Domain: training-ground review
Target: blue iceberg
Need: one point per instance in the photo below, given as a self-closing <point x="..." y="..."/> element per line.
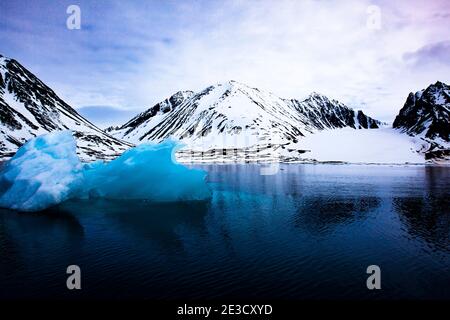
<point x="148" y="171"/>
<point x="46" y="171"/>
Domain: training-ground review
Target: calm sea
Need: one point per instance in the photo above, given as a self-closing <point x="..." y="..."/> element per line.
<point x="307" y="232"/>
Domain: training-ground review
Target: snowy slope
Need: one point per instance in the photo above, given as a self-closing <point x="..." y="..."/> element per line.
<point x="232" y="115"/>
<point x="29" y="108"/>
<point x="426" y="116"/>
<point x="234" y="122"/>
<point x="382" y="146"/>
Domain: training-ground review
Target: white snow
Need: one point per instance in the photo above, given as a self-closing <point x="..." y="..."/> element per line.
<point x="383" y="146"/>
<point x="233" y="115"/>
<point x="439" y="98"/>
<point x="234" y="122"/>
<point x="19" y="107"/>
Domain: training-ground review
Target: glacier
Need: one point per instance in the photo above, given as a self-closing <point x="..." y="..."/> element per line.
<point x="47" y="171"/>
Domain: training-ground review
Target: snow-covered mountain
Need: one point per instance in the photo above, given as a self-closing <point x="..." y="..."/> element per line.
<point x="29" y="108"/>
<point x="234" y="122"/>
<point x="232" y="119"/>
<point x="426" y="116"/>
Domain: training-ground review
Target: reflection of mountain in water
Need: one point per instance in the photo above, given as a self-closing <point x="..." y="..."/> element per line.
<point x="306" y="232"/>
<point x="427" y="215"/>
<point x="321" y="214"/>
<point x="306" y="201"/>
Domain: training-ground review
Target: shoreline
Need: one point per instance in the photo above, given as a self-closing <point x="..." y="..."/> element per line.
<point x="268" y="162"/>
<point x="341" y="163"/>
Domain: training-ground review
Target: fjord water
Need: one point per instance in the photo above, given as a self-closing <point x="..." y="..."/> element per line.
<point x="307" y="232"/>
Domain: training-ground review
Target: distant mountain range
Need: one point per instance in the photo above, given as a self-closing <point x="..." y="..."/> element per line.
<point x="231" y="121"/>
<point x="232" y="109"/>
<point x="225" y="122"/>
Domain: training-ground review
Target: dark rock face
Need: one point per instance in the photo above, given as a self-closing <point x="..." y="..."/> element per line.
<point x="367" y="122"/>
<point x="427" y="113"/>
<point x="162" y="107"/>
<point x="29" y="108"/>
<point x="324" y="113"/>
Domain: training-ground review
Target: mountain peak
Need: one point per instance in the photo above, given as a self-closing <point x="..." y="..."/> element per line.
<point x="440" y="84"/>
<point x="318" y="96"/>
<point x="234" y="114"/>
<point x="437" y="95"/>
<point x="28" y="108"/>
<point x="233" y="84"/>
<point x="427" y="113"/>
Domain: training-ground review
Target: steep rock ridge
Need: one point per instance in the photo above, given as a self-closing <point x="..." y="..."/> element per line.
<point x="29" y="108"/>
<point x="323" y="113"/>
<point x="133" y="127"/>
<point x="426" y="115"/>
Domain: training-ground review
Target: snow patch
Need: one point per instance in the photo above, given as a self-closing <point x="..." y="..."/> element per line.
<point x="383" y="146"/>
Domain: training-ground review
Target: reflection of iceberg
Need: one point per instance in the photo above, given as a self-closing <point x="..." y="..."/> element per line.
<point x="46" y="171"/>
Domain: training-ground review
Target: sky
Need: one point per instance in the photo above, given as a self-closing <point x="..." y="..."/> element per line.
<point x="129" y="55"/>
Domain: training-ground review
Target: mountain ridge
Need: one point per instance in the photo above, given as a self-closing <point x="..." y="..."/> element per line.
<point x="223" y="100"/>
<point x="426" y="115"/>
<point x="229" y="121"/>
<point x="28" y="108"/>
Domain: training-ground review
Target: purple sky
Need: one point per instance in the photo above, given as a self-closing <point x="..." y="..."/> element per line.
<point x="132" y="54"/>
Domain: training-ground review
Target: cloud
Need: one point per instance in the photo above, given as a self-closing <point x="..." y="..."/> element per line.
<point x="136" y="53"/>
<point x="429" y="54"/>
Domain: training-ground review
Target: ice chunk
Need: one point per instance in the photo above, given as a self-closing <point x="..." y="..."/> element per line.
<point x="148" y="171"/>
<point x="46" y="171"/>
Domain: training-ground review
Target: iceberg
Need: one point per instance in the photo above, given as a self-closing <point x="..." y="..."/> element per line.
<point x="47" y="171"/>
<point x="148" y="171"/>
<point x="43" y="172"/>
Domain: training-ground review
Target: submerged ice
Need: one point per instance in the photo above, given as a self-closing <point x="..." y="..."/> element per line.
<point x="46" y="171"/>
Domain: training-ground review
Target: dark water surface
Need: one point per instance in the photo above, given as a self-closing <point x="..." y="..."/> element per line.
<point x="310" y="231"/>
